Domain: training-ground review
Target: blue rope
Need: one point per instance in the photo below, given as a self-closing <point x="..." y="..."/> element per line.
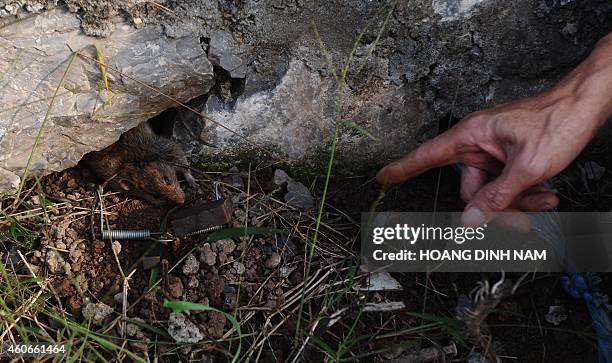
<point x="579" y="285"/>
<point x="586" y="286"/>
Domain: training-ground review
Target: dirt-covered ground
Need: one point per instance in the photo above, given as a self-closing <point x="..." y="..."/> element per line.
<point x="107" y="297"/>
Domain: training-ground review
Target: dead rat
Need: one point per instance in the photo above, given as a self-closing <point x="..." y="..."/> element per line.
<point x="149" y="181"/>
<point x="142" y="164"/>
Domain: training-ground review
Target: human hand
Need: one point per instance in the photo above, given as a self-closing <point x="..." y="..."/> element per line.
<point x="509" y="150"/>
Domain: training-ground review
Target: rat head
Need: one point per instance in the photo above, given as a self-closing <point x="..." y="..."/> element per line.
<point x="152" y="180"/>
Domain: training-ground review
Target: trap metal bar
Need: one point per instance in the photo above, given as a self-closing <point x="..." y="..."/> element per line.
<point x="199" y="219"/>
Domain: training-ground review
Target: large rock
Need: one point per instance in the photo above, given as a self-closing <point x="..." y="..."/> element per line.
<point x="34" y="55"/>
<point x="297" y="116"/>
<point x="273" y="84"/>
<point x="435" y="60"/>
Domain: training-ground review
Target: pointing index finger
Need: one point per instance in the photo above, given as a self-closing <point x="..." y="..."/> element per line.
<point x="436" y="152"/>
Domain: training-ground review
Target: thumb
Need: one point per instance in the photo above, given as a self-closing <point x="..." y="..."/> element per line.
<point x="492" y="197"/>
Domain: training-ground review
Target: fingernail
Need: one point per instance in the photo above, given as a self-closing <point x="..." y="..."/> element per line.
<point x="518" y="222"/>
<point x="473" y="217"/>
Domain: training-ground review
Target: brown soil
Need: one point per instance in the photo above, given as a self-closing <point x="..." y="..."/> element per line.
<point x="258" y="276"/>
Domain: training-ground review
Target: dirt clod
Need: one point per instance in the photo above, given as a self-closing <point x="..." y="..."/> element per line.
<point x="207" y="255"/>
<point x="175" y="287"/>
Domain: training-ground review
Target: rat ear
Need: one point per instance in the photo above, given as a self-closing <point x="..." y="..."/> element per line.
<point x="125" y="184"/>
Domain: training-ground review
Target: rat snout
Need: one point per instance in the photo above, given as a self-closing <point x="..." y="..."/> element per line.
<point x="178" y="196"/>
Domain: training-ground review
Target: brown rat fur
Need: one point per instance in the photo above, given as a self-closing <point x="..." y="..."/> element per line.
<point x="143" y="164"/>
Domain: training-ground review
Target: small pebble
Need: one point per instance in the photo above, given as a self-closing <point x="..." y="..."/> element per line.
<point x="226" y="245"/>
<point x="175" y="287"/>
<point x="191" y="265"/>
<point x="193" y="282"/>
<point x="273" y="261"/>
<point x="239" y="267"/>
<point x="97" y="312"/>
<point x="118" y="298"/>
<point x="207" y="255"/>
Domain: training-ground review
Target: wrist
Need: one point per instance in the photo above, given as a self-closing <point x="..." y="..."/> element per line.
<point x="590" y="84"/>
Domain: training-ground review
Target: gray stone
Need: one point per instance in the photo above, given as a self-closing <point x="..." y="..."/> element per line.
<point x="36" y="53"/>
<point x="297" y="194"/>
<point x="118" y="298"/>
<point x="75" y="253"/>
<point x="191" y="265"/>
<point x="239" y="267"/>
<point x="182" y="330"/>
<point x="193" y="282"/>
<point x="280" y="177"/>
<point x="97" y="312"/>
<point x="8" y="180"/>
<point x="294" y="116"/>
<point x="225" y="53"/>
<point x="455" y="9"/>
<point x="556" y="314"/>
<point x="21" y="7"/>
<point x="54" y="261"/>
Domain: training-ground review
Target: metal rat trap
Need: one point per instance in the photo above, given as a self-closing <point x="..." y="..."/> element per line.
<point x="198" y="219"/>
<point x="203" y="217"/>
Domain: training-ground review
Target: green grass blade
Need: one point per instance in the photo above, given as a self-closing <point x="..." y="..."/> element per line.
<point x="153" y="277"/>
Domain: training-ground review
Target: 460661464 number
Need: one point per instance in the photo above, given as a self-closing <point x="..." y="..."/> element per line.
<point x="31" y="349"/>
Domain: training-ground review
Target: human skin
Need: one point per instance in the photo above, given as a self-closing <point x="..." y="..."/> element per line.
<point x="509" y="150"/>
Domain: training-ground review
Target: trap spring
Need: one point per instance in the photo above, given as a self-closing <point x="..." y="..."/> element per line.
<point x="204" y="230"/>
<point x="107" y="234"/>
<point x="122" y="234"/>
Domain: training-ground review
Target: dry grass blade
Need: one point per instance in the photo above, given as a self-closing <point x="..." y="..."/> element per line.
<point x="163" y="8"/>
<point x="102" y="65"/>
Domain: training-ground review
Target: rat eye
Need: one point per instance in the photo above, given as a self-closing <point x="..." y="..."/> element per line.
<point x="167" y="180"/>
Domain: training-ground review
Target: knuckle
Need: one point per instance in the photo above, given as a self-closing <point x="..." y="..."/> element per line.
<point x="497" y="198"/>
<point x="473" y="119"/>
